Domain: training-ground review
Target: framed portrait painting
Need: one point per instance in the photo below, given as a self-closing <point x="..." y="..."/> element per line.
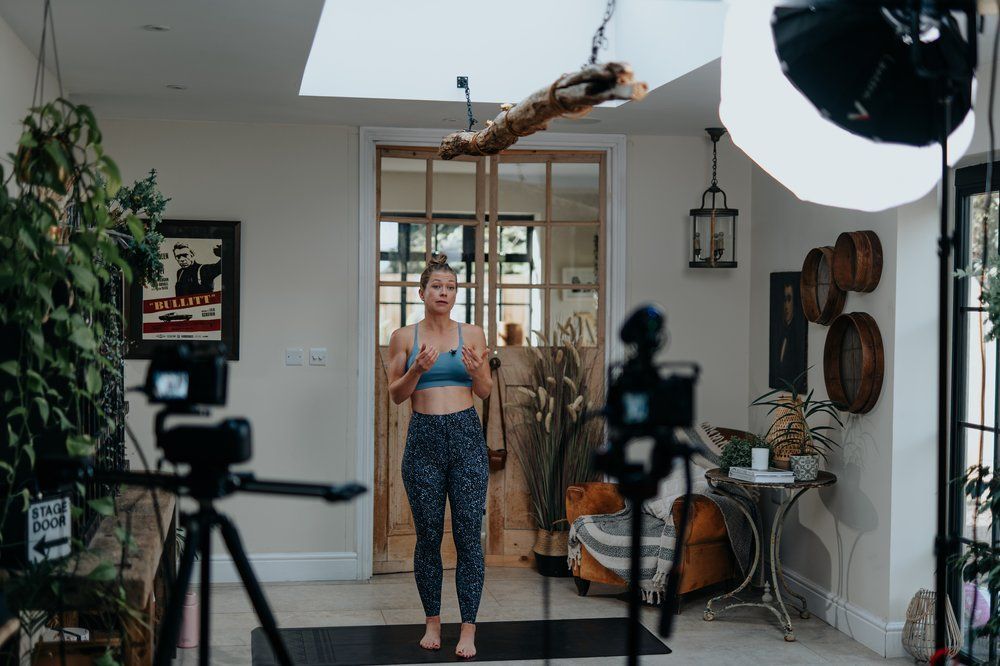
<point x="198" y="297"/>
<point x="789" y="334"/>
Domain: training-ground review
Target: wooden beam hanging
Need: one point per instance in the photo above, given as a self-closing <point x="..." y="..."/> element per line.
<point x="572" y="95"/>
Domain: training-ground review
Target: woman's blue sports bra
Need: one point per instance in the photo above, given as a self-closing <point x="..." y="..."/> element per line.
<point x="448" y="370"/>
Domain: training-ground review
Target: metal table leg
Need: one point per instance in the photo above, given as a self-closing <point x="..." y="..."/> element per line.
<point x="780" y="522"/>
<point x="710" y="613"/>
<point x="777" y="576"/>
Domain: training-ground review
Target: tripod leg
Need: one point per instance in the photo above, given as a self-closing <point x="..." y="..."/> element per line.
<point x="267" y="621"/>
<point x="206" y="595"/>
<point x="172" y="617"/>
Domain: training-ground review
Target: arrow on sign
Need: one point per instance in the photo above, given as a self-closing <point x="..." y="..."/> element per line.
<point x="42" y="546"/>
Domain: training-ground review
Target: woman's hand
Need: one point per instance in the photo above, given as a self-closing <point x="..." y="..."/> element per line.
<point x="425" y="359"/>
<point x="472" y="359"/>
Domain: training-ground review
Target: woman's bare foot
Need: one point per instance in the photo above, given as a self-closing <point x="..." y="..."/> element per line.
<point x="432" y="637"/>
<point x="467" y="641"/>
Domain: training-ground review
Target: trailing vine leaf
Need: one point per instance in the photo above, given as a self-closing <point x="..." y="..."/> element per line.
<point x="83" y="338"/>
<point x="102" y="505"/>
<point x="103" y="572"/>
<point x="79" y="445"/>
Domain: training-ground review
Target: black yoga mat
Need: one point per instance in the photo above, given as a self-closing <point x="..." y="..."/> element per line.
<point x="495" y="641"/>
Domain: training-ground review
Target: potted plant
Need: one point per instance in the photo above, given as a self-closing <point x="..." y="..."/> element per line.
<point x="738" y="452"/>
<point x="795" y="431"/>
<point x="557" y="440"/>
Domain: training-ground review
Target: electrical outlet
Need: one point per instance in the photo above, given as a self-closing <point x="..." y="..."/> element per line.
<point x="293" y="356"/>
<point x="317" y="356"/>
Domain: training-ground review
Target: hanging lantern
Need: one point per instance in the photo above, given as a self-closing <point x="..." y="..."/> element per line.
<point x="713" y="229"/>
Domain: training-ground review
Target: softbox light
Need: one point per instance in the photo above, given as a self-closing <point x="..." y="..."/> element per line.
<point x="839" y="54"/>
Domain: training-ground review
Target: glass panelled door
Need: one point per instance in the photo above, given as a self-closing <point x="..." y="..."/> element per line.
<point x="526" y="232"/>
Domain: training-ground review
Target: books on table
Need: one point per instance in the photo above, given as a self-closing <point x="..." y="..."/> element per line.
<point x="761" y="475"/>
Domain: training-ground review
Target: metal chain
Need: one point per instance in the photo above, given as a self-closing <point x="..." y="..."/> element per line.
<point x="600" y="41"/>
<point x="715" y="162"/>
<point x="468" y="108"/>
<point x="463" y="82"/>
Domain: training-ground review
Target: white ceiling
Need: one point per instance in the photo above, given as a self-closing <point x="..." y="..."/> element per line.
<point x="243" y="61"/>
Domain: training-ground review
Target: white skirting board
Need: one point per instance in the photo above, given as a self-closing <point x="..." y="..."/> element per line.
<point x="287" y="567"/>
<point x="876" y="633"/>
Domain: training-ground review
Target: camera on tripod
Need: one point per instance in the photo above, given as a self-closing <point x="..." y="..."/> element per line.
<point x="648" y="400"/>
<point x="184" y="378"/>
<point x="643" y="401"/>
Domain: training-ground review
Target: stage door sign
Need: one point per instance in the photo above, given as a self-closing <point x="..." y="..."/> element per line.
<point x="49" y="529"/>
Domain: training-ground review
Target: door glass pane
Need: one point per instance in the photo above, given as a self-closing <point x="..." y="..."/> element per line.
<point x="521" y="255"/>
<point x="576" y="191"/>
<point x="573" y="316"/>
<point x="458" y="241"/>
<point x="522" y="189"/>
<point x="404" y="185"/>
<point x="401" y="251"/>
<point x="981" y="378"/>
<point x="397" y="306"/>
<point x="574" y="254"/>
<point x="454" y="188"/>
<point x="976" y="205"/>
<point x="465" y="305"/>
<point x="519" y="312"/>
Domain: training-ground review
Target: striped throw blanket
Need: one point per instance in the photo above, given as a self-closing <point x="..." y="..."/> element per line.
<point x="608" y="536"/>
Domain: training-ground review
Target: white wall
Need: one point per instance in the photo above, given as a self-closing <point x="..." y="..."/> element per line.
<point x="837" y="538"/>
<point x="707" y="309"/>
<point x="294" y="188"/>
<point x="17" y="81"/>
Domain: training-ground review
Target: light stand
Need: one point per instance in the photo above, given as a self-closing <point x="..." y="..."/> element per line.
<point x="943" y="544"/>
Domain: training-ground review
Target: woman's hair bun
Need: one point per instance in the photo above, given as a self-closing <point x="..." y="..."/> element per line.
<point x="437" y="264"/>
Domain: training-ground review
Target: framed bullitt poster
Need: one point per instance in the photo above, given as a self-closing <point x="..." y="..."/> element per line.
<point x="198" y="297"/>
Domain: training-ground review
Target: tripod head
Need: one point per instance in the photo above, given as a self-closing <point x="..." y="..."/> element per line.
<point x="645" y="398"/>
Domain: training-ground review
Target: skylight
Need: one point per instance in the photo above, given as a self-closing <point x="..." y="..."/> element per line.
<point x="401" y="49"/>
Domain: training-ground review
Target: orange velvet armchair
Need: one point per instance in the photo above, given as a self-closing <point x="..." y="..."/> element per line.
<point x="707" y="558"/>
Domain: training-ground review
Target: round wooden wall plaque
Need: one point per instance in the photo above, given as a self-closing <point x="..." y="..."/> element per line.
<point x="854" y="362"/>
<point x="822" y="299"/>
<point x="857" y="261"/>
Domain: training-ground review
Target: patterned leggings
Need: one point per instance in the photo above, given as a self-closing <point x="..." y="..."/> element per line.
<point x="446" y="453"/>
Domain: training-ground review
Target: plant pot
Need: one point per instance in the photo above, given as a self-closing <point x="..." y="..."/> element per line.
<point x="550" y="553"/>
<point x="805" y="468"/>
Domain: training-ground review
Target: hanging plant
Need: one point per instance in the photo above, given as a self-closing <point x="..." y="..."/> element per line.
<point x="55" y="253"/>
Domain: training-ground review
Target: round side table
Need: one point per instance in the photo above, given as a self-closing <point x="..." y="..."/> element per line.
<point x="776" y="604"/>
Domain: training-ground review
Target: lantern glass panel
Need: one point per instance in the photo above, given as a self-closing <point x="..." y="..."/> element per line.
<point x="713" y="241"/>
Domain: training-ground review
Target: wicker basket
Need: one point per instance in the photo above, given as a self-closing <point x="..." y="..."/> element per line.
<point x="552" y="543"/>
<point x="551" y="549"/>
<point x="788" y="433"/>
<point x="918" y="630"/>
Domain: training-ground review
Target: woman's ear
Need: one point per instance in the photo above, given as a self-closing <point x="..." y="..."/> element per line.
<point x="420" y="293"/>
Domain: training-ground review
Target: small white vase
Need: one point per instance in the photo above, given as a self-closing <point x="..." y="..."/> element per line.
<point x="759" y="458"/>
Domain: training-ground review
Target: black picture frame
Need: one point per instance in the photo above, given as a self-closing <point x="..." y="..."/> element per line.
<point x="787" y="344"/>
<point x="205" y="280"/>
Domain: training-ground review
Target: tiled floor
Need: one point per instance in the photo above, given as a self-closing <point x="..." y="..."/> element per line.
<point x="745" y="636"/>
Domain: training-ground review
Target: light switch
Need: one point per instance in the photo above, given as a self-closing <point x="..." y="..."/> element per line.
<point x="317" y="356"/>
<point x="293" y="356"/>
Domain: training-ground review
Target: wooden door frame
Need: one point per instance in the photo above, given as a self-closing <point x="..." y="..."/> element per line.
<point x="613" y="145"/>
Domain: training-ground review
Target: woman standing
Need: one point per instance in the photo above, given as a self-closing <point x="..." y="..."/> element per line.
<point x="438" y="364"/>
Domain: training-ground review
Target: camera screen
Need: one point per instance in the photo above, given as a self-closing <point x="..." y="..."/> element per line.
<point x="172" y="385"/>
